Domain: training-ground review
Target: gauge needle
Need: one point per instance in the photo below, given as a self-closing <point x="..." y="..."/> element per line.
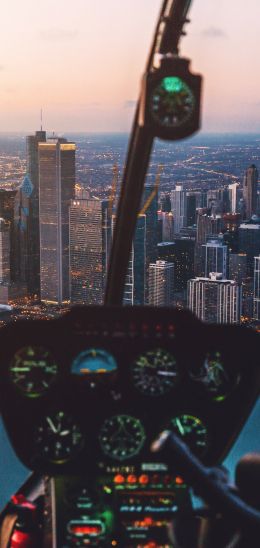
<point x="64" y="433"/>
<point x="180" y="427"/>
<point x="54" y="429"/>
<point x="166" y="373"/>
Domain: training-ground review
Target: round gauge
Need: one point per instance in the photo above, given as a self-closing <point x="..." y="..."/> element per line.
<point x="58" y="439"/>
<point x="155" y="372"/>
<point x="192" y="431"/>
<point x="217" y="380"/>
<point x="122" y="437"/>
<point x="172" y="102"/>
<point x="32" y="370"/>
<point x="93" y="361"/>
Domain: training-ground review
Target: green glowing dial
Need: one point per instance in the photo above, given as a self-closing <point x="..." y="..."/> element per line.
<point x="58" y="438"/>
<point x="215" y="377"/>
<point x="122" y="437"/>
<point x="155" y="372"/>
<point x="32" y="370"/>
<point x="172" y="102"/>
<point x="192" y="431"/>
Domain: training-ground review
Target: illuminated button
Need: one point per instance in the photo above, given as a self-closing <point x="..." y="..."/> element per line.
<point x="144" y="479"/>
<point x="131" y="478"/>
<point x="179" y="480"/>
<point x="119" y="479"/>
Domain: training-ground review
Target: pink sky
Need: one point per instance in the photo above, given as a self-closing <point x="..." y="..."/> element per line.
<point x="82" y="62"/>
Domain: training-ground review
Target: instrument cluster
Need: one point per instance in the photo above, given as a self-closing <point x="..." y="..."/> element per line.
<point x="97" y="386"/>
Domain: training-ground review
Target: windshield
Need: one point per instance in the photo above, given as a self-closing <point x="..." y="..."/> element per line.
<point x="69" y="87"/>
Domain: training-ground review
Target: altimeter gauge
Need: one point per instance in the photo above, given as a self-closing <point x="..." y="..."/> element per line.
<point x="32" y="370"/>
<point x="122" y="437"/>
<point x="155" y="372"/>
<point x="58" y="438"/>
<point x="217" y="379"/>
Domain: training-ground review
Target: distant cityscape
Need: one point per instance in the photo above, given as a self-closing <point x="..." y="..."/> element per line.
<point x="197" y="241"/>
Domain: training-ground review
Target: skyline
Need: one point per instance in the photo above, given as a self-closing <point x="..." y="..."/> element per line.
<point x="52" y="60"/>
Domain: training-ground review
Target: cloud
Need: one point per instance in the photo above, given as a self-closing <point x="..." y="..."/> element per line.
<point x="130" y="103"/>
<point x="58" y="34"/>
<point x="213" y="32"/>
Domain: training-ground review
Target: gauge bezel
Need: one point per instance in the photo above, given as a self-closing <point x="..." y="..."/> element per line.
<point x="34" y="394"/>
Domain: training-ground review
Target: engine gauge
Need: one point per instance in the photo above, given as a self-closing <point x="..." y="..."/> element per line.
<point x="216" y="378"/>
<point x="122" y="437"/>
<point x="94" y="361"/>
<point x="32" y="370"/>
<point x="192" y="431"/>
<point x="58" y="438"/>
<point x="172" y="102"/>
<point x="155" y="372"/>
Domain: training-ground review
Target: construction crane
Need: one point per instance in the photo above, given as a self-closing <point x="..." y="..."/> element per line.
<point x="154" y="191"/>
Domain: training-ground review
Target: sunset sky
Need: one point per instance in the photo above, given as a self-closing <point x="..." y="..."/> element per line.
<point x="82" y="62"/>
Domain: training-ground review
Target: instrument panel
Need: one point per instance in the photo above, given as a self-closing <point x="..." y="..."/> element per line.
<point x="96" y="386"/>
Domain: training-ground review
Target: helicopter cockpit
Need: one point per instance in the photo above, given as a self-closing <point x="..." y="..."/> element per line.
<point x="125" y="414"/>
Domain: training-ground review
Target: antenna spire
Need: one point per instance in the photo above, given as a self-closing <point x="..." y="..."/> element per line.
<point x="41" y="118"/>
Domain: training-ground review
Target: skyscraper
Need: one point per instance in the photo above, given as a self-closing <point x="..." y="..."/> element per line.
<point x="215" y="255"/>
<point x="233" y="197"/>
<point x="56" y="189"/>
<point x="89" y="227"/>
<point x="250" y="190"/>
<point x="135" y="282"/>
<point x="4" y="261"/>
<point x="21" y="221"/>
<point x="7" y="212"/>
<point x="161" y="283"/>
<point x="179" y="208"/>
<point x="256" y="301"/>
<point x="238" y="267"/>
<point x="183" y="262"/>
<point x="32" y="142"/>
<point x="249" y="242"/>
<point x="215" y="300"/>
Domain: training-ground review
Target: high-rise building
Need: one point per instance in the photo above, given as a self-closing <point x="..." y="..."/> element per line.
<point x="4" y="261"/>
<point x="183" y="262"/>
<point x="32" y="142"/>
<point x="161" y="283"/>
<point x="233" y="197"/>
<point x="166" y="251"/>
<point x="250" y="191"/>
<point x="191" y="208"/>
<point x="90" y="228"/>
<point x="167" y="226"/>
<point x="179" y="208"/>
<point x="249" y="242"/>
<point x="215" y="300"/>
<point x="215" y="257"/>
<point x="21" y="221"/>
<point x="7" y="212"/>
<point x="238" y="267"/>
<point x="135" y="282"/>
<point x="256" y="301"/>
<point x="56" y="189"/>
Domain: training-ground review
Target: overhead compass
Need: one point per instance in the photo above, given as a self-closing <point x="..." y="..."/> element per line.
<point x="155" y="372"/>
<point x="32" y="370"/>
<point x="172" y="102"/>
<point x="122" y="437"/>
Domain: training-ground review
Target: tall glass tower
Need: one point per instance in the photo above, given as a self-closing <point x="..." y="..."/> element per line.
<point x="90" y="228"/>
<point x="56" y="189"/>
<point x="250" y="191"/>
<point x="32" y="142"/>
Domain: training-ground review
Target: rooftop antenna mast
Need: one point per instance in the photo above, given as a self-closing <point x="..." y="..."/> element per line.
<point x="41" y="118"/>
<point x="169" y="29"/>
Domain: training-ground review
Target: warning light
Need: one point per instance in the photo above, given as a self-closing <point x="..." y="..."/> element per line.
<point x="131" y="478"/>
<point x="119" y="479"/>
<point x="179" y="480"/>
<point x="144" y="479"/>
